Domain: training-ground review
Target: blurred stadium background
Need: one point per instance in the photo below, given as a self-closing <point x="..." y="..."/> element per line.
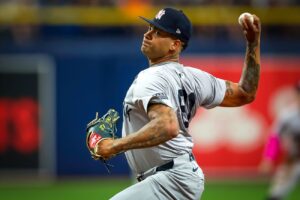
<point x="61" y="61"/>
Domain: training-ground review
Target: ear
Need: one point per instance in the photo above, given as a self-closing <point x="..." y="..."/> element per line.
<point x="176" y="44"/>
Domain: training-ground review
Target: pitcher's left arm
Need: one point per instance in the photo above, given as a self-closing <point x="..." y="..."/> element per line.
<point x="243" y="92"/>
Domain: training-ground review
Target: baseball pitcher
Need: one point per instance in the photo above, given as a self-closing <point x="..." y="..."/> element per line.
<point x="161" y="102"/>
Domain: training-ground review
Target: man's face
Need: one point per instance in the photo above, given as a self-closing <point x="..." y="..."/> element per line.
<point x="156" y="43"/>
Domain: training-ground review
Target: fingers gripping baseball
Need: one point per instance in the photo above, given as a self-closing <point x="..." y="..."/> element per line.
<point x="251" y="26"/>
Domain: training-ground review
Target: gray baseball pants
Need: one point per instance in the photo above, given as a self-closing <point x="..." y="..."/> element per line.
<point x="185" y="180"/>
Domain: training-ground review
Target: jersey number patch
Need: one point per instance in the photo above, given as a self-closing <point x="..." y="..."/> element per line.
<point x="187" y="102"/>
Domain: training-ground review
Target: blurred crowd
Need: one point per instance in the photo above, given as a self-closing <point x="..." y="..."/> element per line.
<point x="157" y="2"/>
<point x="21" y="33"/>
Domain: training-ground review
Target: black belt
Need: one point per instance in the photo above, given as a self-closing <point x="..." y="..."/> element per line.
<point x="164" y="167"/>
<point x="169" y="165"/>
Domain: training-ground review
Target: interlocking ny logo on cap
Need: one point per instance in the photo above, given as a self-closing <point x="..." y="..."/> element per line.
<point x="160" y="14"/>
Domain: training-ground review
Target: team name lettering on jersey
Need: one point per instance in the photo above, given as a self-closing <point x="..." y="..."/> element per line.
<point x="161" y="95"/>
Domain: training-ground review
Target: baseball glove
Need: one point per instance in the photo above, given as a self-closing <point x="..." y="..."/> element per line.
<point x="100" y="129"/>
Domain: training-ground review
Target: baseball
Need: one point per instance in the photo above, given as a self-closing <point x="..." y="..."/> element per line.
<point x="243" y="15"/>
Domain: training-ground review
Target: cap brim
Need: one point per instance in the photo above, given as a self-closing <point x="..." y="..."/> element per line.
<point x="154" y="24"/>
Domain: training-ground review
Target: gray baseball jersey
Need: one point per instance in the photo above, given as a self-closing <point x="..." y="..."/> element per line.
<point x="182" y="88"/>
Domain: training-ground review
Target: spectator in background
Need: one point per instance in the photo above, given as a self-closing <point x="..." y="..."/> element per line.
<point x="285" y="136"/>
<point x="21" y="32"/>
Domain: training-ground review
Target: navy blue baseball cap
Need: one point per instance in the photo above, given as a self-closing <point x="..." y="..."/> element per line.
<point x="173" y="21"/>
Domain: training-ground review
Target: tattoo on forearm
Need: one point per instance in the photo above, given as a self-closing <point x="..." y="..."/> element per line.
<point x="152" y="134"/>
<point x="157" y="136"/>
<point x="229" y="90"/>
<point x="250" y="75"/>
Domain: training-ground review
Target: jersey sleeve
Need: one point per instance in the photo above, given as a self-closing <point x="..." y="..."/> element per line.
<point x="210" y="91"/>
<point x="151" y="87"/>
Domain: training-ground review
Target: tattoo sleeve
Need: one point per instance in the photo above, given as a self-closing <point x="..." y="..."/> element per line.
<point x="229" y="90"/>
<point x="155" y="132"/>
<point x="251" y="71"/>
